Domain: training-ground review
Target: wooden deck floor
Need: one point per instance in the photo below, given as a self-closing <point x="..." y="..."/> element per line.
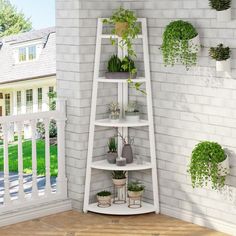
<point x="72" y="223"/>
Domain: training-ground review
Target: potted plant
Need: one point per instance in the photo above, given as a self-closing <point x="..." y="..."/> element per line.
<point x="104" y="198"/>
<point x="132" y="112"/>
<point x="112" y="153"/>
<point x="118" y="69"/>
<point x="135" y="189"/>
<point x="119" y="177"/>
<point x="127" y="28"/>
<point x="209" y="162"/>
<point x="180" y="44"/>
<point x="223" y="9"/>
<point x="222" y="56"/>
<point x="114" y="110"/>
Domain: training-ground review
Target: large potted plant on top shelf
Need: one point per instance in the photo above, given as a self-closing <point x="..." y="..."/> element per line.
<point x="209" y="162"/>
<point x="223" y="9"/>
<point x="180" y="44"/>
<point x="222" y="56"/>
<point x="117" y="68"/>
<point x="127" y="28"/>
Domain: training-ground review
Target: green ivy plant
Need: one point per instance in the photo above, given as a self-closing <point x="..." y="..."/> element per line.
<point x="204" y="165"/>
<point x="128" y="35"/>
<point x="220" y="53"/>
<point x="220" y="5"/>
<point x="176" y="47"/>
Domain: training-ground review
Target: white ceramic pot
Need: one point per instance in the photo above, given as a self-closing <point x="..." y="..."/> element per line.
<point x="119" y="182"/>
<point x="223" y="65"/>
<point x="224" y="167"/>
<point x="224" y="16"/>
<point x="132" y="118"/>
<point x="194" y="43"/>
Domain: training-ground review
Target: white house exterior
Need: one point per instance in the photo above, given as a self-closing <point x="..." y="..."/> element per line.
<point x="28" y="72"/>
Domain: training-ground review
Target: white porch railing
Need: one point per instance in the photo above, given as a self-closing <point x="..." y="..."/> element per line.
<point x="26" y="192"/>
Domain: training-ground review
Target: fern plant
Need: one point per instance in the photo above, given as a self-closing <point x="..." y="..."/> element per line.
<point x="220" y="5"/>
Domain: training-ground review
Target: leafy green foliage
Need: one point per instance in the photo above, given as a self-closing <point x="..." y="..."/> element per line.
<point x="176" y="46"/>
<point x="204" y="165"/>
<point x="104" y="193"/>
<point x="220" y="5"/>
<point x="220" y="53"/>
<point x="27" y="158"/>
<point x="114" y="64"/>
<point x="12" y="21"/>
<point x="52" y="100"/>
<point x="112" y="145"/>
<point x="135" y="186"/>
<point x="119" y="174"/>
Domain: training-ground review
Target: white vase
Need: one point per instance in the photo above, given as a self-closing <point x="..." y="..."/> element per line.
<point x="194" y="43"/>
<point x="224" y="16"/>
<point x="224" y="167"/>
<point x="223" y="65"/>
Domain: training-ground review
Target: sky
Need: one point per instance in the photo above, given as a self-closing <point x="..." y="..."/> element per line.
<point x="41" y="12"/>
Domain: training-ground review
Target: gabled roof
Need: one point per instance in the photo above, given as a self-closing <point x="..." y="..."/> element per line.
<point x="45" y="65"/>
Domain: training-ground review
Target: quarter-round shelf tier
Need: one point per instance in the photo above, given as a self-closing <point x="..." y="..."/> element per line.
<point x="104" y="165"/>
<point x="137" y="80"/>
<point x="122" y="209"/>
<point x="120" y="123"/>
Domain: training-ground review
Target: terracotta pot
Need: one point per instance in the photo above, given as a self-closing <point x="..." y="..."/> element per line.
<point x="119" y="182"/>
<point x="224" y="167"/>
<point x="133" y="194"/>
<point x="224" y="16"/>
<point x="111" y="157"/>
<point x="104" y="201"/>
<point x="127" y="153"/>
<point x="120" y="28"/>
<point x="223" y="65"/>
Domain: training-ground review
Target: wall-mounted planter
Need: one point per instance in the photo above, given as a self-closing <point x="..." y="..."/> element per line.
<point x="194" y="43"/>
<point x="224" y="16"/>
<point x="222" y="66"/>
<point x="223" y="167"/>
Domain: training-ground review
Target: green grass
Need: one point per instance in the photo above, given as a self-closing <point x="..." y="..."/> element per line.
<point x="27" y="158"/>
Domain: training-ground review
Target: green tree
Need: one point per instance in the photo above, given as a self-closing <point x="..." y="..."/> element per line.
<point x="11" y="20"/>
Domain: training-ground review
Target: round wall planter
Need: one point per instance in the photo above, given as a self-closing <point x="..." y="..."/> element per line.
<point x="194" y="43"/>
<point x="223" y="65"/>
<point x="224" y="16"/>
<point x="224" y="167"/>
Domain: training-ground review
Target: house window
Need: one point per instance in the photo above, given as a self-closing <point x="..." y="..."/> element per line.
<point x="7" y="104"/>
<point x="32" y="52"/>
<point x="51" y="98"/>
<point x="40" y="98"/>
<point x="1" y="95"/>
<point x="22" y="54"/>
<point x="29" y="100"/>
<point x="18" y="102"/>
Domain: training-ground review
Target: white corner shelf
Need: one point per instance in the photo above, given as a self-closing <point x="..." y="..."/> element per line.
<point x="136" y="80"/>
<point x="120" y="123"/>
<point x="104" y="165"/>
<point x="122" y="209"/>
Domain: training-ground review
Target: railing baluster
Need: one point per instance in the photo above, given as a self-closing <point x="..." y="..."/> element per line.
<point x="47" y="157"/>
<point x="21" y="193"/>
<point x="7" y="197"/>
<point x="34" y="160"/>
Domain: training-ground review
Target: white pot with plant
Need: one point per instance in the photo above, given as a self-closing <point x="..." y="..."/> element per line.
<point x="114" y="110"/>
<point x="132" y="112"/>
<point x="112" y="153"/>
<point x="223" y="9"/>
<point x="209" y="163"/>
<point x="135" y="190"/>
<point x="119" y="178"/>
<point x="104" y="198"/>
<point x="222" y="56"/>
<point x="181" y="44"/>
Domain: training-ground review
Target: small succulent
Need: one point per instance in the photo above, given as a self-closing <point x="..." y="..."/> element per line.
<point x="119" y="174"/>
<point x="104" y="193"/>
<point x="135" y="186"/>
<point x="220" y="5"/>
<point x="112" y="145"/>
<point x="220" y="53"/>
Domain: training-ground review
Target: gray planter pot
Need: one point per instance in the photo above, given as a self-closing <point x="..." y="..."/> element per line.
<point x="111" y="157"/>
<point x="119" y="75"/>
<point x="127" y="153"/>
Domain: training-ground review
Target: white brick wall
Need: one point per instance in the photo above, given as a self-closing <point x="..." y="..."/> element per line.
<point x="188" y="105"/>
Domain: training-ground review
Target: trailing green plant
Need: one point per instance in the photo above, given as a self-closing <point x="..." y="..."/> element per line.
<point x="220" y="5"/>
<point x="135" y="186"/>
<point x="204" y="165"/>
<point x="128" y="35"/>
<point x="112" y="145"/>
<point x="114" y="64"/>
<point x="104" y="193"/>
<point x="220" y="53"/>
<point x="119" y="174"/>
<point x="128" y="65"/>
<point x="176" y="46"/>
